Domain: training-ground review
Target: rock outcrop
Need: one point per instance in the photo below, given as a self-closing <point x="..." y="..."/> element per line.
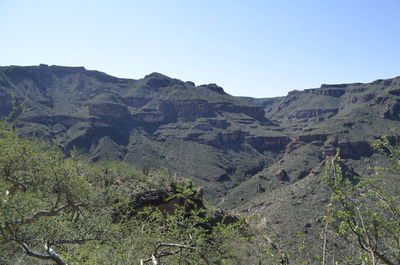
<point x="392" y="112"/>
<point x="333" y="91"/>
<point x="282" y="175"/>
<point x="116" y="111"/>
<point x="355" y="150"/>
<point x="273" y="143"/>
<point x="311" y="113"/>
<point x="187" y="110"/>
<point x="312" y="137"/>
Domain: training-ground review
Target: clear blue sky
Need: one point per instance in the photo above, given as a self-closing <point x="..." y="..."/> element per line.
<point x="254" y="48"/>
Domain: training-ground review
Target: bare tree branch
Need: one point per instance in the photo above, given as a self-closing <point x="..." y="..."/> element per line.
<point x="51" y="254"/>
<point x="42" y="213"/>
<point x="155" y="255"/>
<point x="18" y="185"/>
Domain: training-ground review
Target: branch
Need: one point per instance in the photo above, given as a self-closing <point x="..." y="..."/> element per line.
<point x="324" y="246"/>
<point x="42" y="213"/>
<point x="52" y="212"/>
<point x="51" y="254"/>
<point x="58" y="198"/>
<point x="55" y="257"/>
<point x="34" y="254"/>
<point x="383" y="258"/>
<point x="171" y="245"/>
<point x="18" y="185"/>
<point x="154" y="257"/>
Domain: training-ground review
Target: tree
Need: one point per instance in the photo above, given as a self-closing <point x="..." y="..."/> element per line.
<point x="365" y="212"/>
<point x="63" y="209"/>
<point x="44" y="199"/>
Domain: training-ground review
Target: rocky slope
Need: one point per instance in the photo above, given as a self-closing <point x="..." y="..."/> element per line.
<point x="158" y="122"/>
<point x="260" y="156"/>
<point x="290" y="199"/>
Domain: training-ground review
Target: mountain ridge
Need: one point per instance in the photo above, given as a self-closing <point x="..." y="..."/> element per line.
<point x="257" y="156"/>
<point x="81" y="108"/>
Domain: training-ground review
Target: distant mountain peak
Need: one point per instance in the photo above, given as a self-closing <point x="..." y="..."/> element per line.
<point x="156" y="75"/>
<point x="214" y="88"/>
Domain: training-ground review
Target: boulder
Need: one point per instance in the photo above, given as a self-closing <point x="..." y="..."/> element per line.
<point x="282" y="175"/>
<point x="222" y="178"/>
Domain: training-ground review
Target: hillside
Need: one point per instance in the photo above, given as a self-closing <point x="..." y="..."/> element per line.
<point x="259" y="156"/>
<point x="68" y="210"/>
<point x="157" y="122"/>
<point x="291" y="199"/>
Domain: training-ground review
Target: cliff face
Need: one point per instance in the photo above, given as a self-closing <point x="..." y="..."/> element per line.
<point x="158" y="122"/>
<point x="79" y="107"/>
<point x="257" y="154"/>
<point x="318" y="122"/>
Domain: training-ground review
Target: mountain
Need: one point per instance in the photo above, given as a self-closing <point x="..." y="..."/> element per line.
<point x="291" y="197"/>
<point x="259" y="156"/>
<point x="157" y="122"/>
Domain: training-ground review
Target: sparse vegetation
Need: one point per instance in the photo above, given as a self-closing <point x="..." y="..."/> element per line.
<point x="365" y="212"/>
<point x="67" y="210"/>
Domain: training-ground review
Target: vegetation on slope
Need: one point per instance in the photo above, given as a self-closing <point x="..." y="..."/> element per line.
<point x="220" y="141"/>
<point x="155" y="121"/>
<point x="365" y="212"/>
<point x="66" y="210"/>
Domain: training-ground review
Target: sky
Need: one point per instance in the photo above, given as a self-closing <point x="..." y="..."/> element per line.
<point x="262" y="48"/>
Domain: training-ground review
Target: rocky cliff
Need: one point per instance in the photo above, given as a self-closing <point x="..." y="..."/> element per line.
<point x="158" y="122"/>
<point x="259" y="156"/>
